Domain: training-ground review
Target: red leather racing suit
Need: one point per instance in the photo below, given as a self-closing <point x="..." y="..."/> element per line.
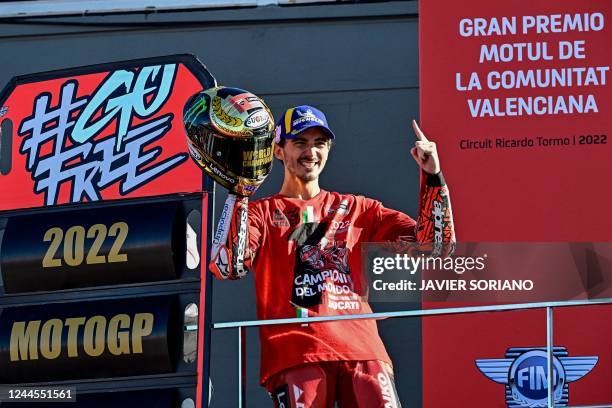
<point x="305" y="256"/>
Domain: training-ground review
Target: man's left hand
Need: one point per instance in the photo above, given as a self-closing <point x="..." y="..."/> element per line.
<point x="424" y="152"/>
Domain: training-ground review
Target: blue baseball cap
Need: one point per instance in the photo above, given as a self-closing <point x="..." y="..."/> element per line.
<point x="298" y="119"/>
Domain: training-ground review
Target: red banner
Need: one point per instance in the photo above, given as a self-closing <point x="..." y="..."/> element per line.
<point x="97" y="133"/>
<point x="517" y="97"/>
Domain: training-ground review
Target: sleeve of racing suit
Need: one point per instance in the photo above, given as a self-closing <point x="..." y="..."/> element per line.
<point x="434" y="223"/>
<point x="236" y="239"/>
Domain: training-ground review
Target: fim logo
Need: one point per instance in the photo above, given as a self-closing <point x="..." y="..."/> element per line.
<point x="524" y="372"/>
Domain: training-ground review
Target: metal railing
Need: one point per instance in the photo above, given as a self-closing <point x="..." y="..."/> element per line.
<point x="549" y="306"/>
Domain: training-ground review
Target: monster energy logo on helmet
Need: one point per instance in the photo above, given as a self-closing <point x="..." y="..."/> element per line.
<point x="230" y="134"/>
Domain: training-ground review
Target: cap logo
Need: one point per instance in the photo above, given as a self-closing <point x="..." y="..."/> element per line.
<point x="307" y="118"/>
<point x="307" y="113"/>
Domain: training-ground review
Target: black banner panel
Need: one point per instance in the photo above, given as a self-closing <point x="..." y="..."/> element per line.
<point x="100" y="246"/>
<point x="89" y="340"/>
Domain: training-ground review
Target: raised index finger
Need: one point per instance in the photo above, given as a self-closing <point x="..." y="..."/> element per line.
<point x="417" y="131"/>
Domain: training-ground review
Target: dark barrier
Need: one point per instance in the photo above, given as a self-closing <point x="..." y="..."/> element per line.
<point x="102" y="246"/>
<point x="88" y="340"/>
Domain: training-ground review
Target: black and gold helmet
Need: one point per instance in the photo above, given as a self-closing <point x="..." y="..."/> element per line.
<point x="230" y="133"/>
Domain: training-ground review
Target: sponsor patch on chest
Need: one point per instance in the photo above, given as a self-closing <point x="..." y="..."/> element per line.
<point x="279" y="219"/>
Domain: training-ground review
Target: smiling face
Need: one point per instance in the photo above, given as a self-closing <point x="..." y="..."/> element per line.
<point x="305" y="156"/>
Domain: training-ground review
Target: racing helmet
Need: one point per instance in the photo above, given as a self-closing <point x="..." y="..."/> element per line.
<point x="230" y="135"/>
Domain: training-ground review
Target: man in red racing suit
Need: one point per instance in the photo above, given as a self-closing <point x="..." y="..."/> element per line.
<point x="304" y="250"/>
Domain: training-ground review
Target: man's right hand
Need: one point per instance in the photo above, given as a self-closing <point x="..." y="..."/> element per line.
<point x="424" y="152"/>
